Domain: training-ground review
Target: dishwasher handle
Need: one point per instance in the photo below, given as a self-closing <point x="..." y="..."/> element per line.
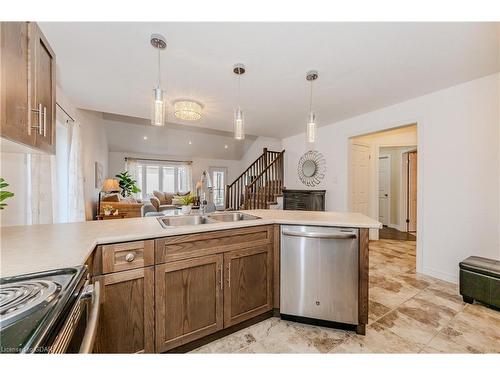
<point x="327" y="236"/>
<point x="91" y="330"/>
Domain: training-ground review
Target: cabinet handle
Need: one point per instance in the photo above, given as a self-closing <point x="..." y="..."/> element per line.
<point x="130" y="257"/>
<point x="221" y="278"/>
<point x="44" y="121"/>
<point x="229" y="275"/>
<point x="39" y="112"/>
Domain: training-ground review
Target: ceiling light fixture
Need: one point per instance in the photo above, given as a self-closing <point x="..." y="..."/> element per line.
<point x="158" y="106"/>
<point x="311" y="121"/>
<point x="239" y="121"/>
<point x="187" y="110"/>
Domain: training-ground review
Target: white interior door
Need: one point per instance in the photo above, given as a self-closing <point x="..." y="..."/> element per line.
<point x="360" y="163"/>
<point x="384" y="189"/>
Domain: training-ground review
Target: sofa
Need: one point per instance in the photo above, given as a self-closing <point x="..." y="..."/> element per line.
<point x="128" y="206"/>
<point x="166" y="201"/>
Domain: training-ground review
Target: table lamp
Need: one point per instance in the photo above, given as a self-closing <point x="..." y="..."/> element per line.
<point x="110" y="185"/>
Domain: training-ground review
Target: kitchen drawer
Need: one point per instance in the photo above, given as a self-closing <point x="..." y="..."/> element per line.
<point x="175" y="248"/>
<point x="127" y="256"/>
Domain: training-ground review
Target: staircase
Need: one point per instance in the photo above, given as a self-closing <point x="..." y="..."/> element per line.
<point x="259" y="185"/>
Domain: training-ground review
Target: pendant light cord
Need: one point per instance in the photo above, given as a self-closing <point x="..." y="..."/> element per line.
<point x="311" y="97"/>
<point x="159" y="70"/>
<point x="239" y="90"/>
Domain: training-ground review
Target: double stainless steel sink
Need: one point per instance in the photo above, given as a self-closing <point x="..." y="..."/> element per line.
<point x="177" y="221"/>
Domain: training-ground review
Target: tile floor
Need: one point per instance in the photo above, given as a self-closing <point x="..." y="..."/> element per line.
<point x="408" y="313"/>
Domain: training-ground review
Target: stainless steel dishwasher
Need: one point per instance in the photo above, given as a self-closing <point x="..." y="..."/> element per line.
<point x="319" y="273"/>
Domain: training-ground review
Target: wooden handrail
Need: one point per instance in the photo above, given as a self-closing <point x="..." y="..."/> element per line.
<point x="263" y="172"/>
<point x="238" y="192"/>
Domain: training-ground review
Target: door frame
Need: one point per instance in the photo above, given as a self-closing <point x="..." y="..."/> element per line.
<point x="404" y="191"/>
<point x="419" y="121"/>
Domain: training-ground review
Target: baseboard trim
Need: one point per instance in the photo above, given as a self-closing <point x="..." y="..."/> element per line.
<point x="440" y="275"/>
<point x="401" y="228"/>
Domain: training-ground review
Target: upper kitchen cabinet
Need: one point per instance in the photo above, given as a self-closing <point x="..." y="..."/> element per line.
<point x="27" y="86"/>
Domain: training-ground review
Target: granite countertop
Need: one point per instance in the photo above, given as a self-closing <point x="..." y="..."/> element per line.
<point x="34" y="248"/>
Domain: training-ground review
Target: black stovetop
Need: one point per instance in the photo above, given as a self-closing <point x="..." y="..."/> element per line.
<point x="32" y="306"/>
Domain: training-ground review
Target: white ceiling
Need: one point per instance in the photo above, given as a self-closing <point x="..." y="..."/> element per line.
<point x="126" y="134"/>
<point x="111" y="67"/>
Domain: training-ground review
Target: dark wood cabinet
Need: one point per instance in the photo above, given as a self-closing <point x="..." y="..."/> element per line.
<point x="304" y="200"/>
<point x="248" y="283"/>
<point x="14" y="88"/>
<point x="126" y="323"/>
<point x="189" y="300"/>
<point x="162" y="294"/>
<point x="43" y="89"/>
<point x="27" y="87"/>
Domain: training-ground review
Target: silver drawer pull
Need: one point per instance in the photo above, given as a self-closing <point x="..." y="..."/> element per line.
<point x="329" y="236"/>
<point x="130" y="257"/>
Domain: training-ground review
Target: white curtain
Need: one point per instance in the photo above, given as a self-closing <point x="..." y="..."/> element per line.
<point x="76" y="199"/>
<point x="131" y="168"/>
<point x="189" y="177"/>
<point x="42" y="193"/>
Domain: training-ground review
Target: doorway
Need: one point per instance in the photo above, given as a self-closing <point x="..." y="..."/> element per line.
<point x="377" y="180"/>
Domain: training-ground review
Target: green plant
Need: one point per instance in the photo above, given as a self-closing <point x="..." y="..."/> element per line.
<point x="186" y="199"/>
<point x="4" y="194"/>
<point x="127" y="184"/>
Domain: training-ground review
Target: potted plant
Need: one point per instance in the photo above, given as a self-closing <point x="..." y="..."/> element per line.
<point x="127" y="184"/>
<point x="186" y="203"/>
<point x="108" y="209"/>
<point x="4" y="194"/>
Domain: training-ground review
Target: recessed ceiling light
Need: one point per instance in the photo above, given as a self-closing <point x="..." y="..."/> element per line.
<point x="225" y="146"/>
<point x="190" y="142"/>
<point x="145" y="137"/>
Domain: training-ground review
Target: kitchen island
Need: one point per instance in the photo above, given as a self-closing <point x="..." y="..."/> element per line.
<point x="168" y="288"/>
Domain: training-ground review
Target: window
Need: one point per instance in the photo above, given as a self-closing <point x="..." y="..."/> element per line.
<point x="218" y="176"/>
<point x="169" y="177"/>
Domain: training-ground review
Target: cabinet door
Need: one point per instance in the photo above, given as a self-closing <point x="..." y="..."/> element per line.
<point x="43" y="89"/>
<point x="126" y="324"/>
<point x="248" y="278"/>
<point x="188" y="298"/>
<point x="14" y="106"/>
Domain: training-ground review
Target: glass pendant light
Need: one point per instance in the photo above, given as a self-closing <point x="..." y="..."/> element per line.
<point x="158" y="100"/>
<point x="311" y="121"/>
<point x="239" y="120"/>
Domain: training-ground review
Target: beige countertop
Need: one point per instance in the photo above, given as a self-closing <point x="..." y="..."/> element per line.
<point x="34" y="248"/>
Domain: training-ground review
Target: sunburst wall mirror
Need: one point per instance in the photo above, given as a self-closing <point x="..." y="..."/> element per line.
<point x="311" y="168"/>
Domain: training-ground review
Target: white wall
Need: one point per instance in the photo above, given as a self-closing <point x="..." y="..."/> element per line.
<point x="255" y="149"/>
<point x="13" y="170"/>
<point x="458" y="187"/>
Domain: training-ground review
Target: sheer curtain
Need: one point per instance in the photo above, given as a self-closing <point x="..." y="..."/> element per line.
<point x="76" y="199"/>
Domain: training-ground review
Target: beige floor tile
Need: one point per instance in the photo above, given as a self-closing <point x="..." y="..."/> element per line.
<point x="378" y="339"/>
<point x="408" y="313"/>
<point x="408" y="328"/>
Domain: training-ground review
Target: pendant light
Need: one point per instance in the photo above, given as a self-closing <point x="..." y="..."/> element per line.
<point x="158" y="102"/>
<point x="239" y="121"/>
<point x="311" y="121"/>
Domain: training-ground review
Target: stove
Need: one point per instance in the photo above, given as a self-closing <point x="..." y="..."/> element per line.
<point x="35" y="308"/>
